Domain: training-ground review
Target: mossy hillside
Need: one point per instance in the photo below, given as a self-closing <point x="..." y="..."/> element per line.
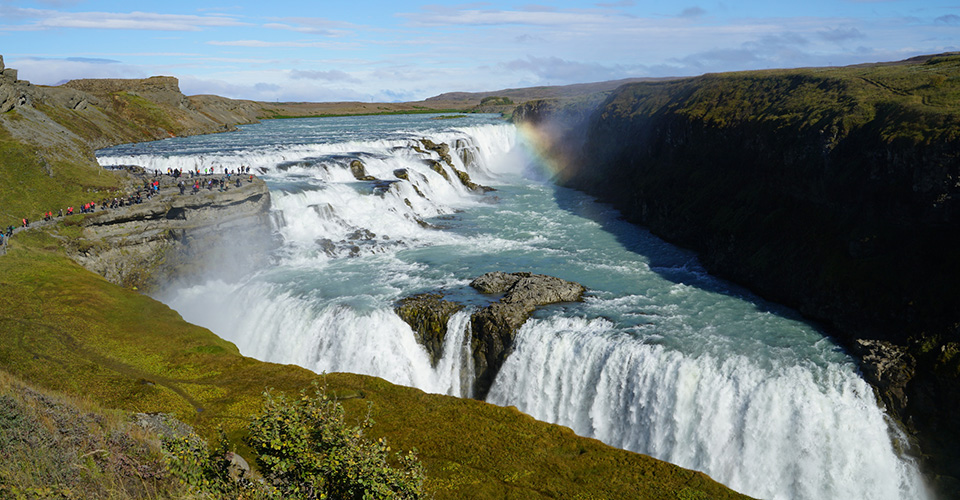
<point x="33" y="181"/>
<point x="69" y="330"/>
<point x="55" y="446"/>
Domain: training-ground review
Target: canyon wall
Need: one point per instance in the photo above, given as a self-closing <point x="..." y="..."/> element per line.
<point x="834" y="191"/>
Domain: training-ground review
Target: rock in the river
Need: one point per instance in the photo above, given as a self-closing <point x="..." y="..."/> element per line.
<point x="495" y="326"/>
<point x="495" y="282"/>
<point x="443" y="150"/>
<point x="529" y="290"/>
<point x="428" y="315"/>
<point x="359" y="171"/>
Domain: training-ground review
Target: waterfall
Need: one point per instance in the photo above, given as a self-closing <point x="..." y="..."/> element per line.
<point x="796" y="431"/>
<point x="661" y="359"/>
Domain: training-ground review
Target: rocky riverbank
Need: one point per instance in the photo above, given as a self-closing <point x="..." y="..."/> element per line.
<point x="176" y="238"/>
<point x="832" y="191"/>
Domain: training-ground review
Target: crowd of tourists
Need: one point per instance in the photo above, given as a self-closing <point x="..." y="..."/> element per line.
<point x="150" y="188"/>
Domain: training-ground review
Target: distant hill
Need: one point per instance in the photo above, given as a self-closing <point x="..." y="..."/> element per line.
<point x="522" y="95"/>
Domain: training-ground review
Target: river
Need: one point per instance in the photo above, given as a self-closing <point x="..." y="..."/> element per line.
<point x="660" y="358"/>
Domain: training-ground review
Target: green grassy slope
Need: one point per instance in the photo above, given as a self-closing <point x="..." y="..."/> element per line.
<point x="53" y="446"/>
<point x="31" y="184"/>
<point x="68" y="330"/>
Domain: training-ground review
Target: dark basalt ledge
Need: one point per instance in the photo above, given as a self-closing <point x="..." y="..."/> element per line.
<point x="428" y="314"/>
<point x="494" y="327"/>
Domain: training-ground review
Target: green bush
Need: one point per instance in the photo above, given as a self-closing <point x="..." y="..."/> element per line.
<point x="305" y="449"/>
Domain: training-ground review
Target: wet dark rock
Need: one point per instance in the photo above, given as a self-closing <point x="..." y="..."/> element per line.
<point x="442" y="149"/>
<point x="465" y="151"/>
<point x="495" y="326"/>
<point x="889" y="368"/>
<point x="401" y="173"/>
<point x="438" y="168"/>
<point x="359" y="171"/>
<point x="361" y="234"/>
<point x="328" y="246"/>
<point x="428" y="315"/>
<point x="473" y="186"/>
<point x="381" y="186"/>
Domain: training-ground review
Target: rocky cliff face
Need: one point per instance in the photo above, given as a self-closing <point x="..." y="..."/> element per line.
<point x="175" y="239"/>
<point x="835" y="193"/>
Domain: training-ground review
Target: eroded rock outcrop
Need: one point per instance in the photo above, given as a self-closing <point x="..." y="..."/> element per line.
<point x="428" y="314"/>
<point x="13" y="91"/>
<point x="178" y="238"/>
<point x="359" y="171"/>
<point x="493" y="328"/>
<point x="443" y="151"/>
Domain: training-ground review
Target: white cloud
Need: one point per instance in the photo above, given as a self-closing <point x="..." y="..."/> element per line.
<point x="841" y="34"/>
<point x="450" y="17"/>
<point x="50" y="19"/>
<point x="266" y="44"/>
<point x="557" y="71"/>
<point x="692" y="12"/>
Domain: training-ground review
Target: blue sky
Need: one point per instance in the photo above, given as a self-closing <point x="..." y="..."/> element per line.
<point x="399" y="51"/>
